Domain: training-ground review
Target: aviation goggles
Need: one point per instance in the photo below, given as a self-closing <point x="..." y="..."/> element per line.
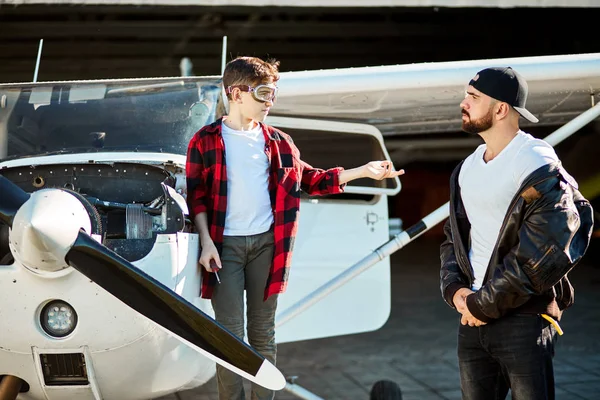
<point x="260" y="93"/>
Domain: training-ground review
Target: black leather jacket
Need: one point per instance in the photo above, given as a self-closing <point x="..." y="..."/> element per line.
<point x="545" y="233"/>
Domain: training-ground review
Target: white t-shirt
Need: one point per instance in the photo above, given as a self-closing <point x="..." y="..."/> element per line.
<point x="488" y="188"/>
<point x="248" y="203"/>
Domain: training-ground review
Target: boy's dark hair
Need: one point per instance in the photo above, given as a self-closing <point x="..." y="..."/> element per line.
<point x="250" y="71"/>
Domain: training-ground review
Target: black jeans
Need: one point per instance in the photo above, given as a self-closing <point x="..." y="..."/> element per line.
<point x="514" y="352"/>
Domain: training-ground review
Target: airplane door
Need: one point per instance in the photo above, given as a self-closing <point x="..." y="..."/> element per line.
<point x="336" y="231"/>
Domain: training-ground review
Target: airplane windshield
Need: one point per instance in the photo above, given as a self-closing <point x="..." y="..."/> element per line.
<point x="141" y="116"/>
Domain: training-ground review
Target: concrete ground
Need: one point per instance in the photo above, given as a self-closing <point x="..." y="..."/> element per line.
<point x="417" y="346"/>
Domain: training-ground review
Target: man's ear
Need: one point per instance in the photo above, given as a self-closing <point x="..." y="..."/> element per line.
<point x="502" y="110"/>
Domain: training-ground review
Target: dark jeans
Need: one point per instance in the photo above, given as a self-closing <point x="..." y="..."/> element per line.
<point x="246" y="262"/>
<point x="514" y="352"/>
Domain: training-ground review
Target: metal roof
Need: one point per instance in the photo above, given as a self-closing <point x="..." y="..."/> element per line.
<point x="328" y="3"/>
<point x="127" y="41"/>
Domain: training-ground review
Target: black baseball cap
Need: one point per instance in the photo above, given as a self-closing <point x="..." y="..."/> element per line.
<point x="506" y="85"/>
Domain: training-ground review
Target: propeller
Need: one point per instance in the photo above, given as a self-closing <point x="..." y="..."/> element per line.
<point x="13" y="197"/>
<point x="151" y="298"/>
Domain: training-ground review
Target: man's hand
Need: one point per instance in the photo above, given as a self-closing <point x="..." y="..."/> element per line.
<point x="209" y="252"/>
<point x="468" y="318"/>
<point x="460" y="302"/>
<point x="379" y="170"/>
<point x="460" y="299"/>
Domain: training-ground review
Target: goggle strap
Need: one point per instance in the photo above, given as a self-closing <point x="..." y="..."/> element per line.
<point x="241" y="87"/>
<point x="249" y="89"/>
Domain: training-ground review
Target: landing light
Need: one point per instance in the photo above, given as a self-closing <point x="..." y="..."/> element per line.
<point x="58" y="318"/>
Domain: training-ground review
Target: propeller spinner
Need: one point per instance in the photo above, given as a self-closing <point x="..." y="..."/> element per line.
<point x="54" y="225"/>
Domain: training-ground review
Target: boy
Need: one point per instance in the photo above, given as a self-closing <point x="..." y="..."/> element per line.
<point x="243" y="189"/>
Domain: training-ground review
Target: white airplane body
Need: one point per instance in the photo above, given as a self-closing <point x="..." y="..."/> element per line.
<point x="116" y="150"/>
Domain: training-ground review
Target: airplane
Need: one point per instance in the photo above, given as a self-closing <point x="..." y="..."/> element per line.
<point x="99" y="282"/>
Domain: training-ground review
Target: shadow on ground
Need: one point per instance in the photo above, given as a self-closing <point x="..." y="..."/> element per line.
<point x="417" y="346"/>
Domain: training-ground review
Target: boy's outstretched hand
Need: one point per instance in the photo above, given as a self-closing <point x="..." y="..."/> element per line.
<point x="379" y="170"/>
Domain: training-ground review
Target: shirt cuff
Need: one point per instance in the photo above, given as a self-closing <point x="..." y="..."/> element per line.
<point x="451" y="291"/>
<point x="197" y="209"/>
<point x="335" y="174"/>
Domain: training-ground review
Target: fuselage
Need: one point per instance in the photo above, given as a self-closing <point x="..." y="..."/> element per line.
<point x="121" y="148"/>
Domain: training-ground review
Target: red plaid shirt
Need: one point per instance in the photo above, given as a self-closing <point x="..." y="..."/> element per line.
<point x="206" y="175"/>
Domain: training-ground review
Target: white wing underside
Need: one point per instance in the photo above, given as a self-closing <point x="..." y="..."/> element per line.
<point x="424" y="98"/>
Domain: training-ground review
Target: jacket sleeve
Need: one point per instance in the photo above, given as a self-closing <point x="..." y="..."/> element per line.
<point x="451" y="277"/>
<point x="196" y="187"/>
<point x="545" y="252"/>
<point x="316" y="181"/>
<point x="313" y="181"/>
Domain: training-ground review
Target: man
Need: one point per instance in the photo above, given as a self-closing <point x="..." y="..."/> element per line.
<point x="517" y="226"/>
<point x="243" y="188"/>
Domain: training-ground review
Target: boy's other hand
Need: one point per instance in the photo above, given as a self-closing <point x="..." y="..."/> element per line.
<point x="379" y="170"/>
<point x="209" y="253"/>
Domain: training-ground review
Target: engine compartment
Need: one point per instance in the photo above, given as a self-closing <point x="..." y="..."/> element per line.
<point x="128" y="203"/>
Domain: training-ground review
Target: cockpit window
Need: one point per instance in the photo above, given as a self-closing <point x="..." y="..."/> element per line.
<point x="141" y="116"/>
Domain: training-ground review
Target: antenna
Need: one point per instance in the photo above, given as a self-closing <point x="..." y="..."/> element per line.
<point x="37" y="63"/>
<point x="185" y="67"/>
<point x="223" y="62"/>
<point x="224" y="55"/>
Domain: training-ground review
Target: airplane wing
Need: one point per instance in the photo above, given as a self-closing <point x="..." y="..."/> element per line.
<point x="423" y="98"/>
<point x="407" y="104"/>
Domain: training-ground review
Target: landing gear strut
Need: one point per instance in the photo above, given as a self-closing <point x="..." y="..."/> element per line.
<point x="10" y="387"/>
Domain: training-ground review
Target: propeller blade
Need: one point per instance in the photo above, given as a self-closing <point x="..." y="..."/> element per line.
<point x="172" y="312"/>
<point x="11" y="199"/>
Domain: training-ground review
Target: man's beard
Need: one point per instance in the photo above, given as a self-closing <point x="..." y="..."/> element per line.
<point x="480" y="125"/>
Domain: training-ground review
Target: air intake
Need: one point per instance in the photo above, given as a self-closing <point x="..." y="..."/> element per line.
<point x="64" y="369"/>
